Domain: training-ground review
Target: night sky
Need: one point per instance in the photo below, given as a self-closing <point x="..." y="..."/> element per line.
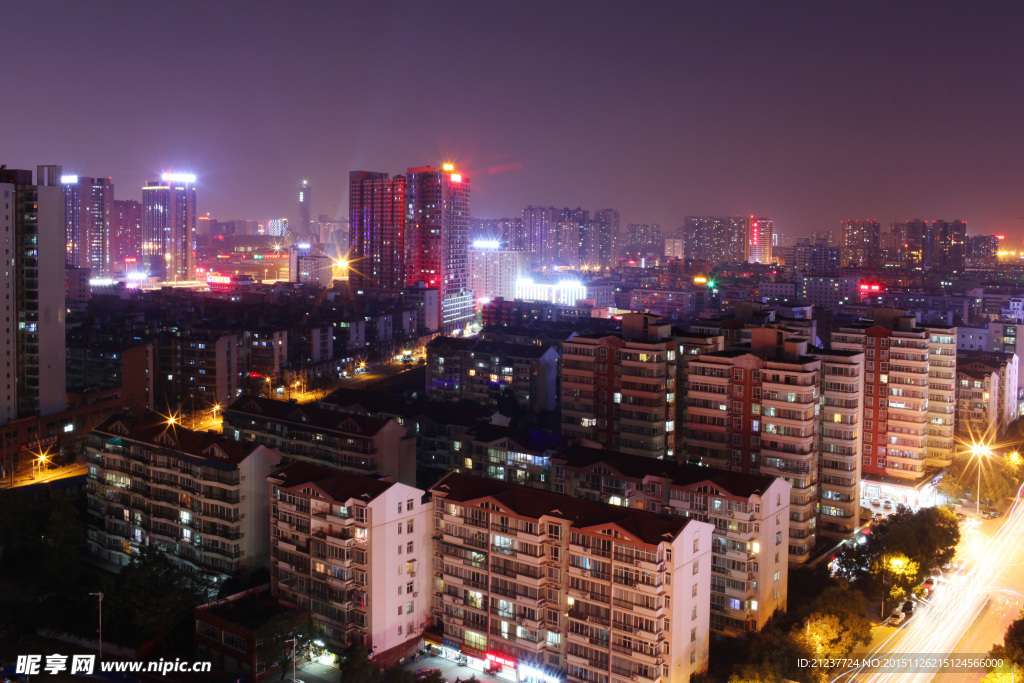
<point x="808" y="112"/>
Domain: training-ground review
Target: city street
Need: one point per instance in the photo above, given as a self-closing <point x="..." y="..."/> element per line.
<point x="29" y="476"/>
<point x="970" y="609"/>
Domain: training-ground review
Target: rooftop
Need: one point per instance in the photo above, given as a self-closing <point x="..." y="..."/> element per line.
<point x="339" y="486"/>
<point x="308" y="414"/>
<point x="251" y="610"/>
<point x="379" y="404"/>
<point x="155" y="430"/>
<point x="735" y="483"/>
<point x="647" y="527"/>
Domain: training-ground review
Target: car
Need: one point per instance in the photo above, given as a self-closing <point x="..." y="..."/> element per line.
<point x="936" y="572"/>
<point x="908" y="608"/>
<point x="989" y="513"/>
<point x="887" y="505"/>
<point x="897" y="618"/>
<point x="960" y="517"/>
<point x="928" y="584"/>
<point x="875" y="502"/>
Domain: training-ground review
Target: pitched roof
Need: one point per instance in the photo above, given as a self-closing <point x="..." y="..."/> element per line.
<point x="646" y="527"/>
<point x="734" y="483"/>
<point x="339" y="486"/>
<point x="155" y="430"/>
<point x="386" y="404"/>
<point x="308" y="413"/>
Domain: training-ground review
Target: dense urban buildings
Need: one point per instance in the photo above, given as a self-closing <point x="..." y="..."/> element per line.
<point x="718" y="239"/>
<point x="762" y="234"/>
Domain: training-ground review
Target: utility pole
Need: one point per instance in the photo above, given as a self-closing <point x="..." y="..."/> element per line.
<point x="293" y="641"/>
<point x="100" y="596"/>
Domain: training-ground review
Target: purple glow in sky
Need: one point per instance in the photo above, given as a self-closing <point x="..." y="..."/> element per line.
<point x="808" y="112"/>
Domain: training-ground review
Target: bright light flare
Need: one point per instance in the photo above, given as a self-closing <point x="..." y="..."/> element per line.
<point x="189" y="178"/>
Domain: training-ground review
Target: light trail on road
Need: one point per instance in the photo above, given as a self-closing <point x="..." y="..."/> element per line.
<point x="939" y="624"/>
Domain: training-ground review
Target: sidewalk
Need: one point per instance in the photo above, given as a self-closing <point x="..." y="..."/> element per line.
<point x="449" y="669"/>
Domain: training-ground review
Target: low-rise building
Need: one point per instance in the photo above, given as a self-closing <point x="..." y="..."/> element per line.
<point x="355" y="551"/>
<point x="547" y="586"/>
<point x="198" y="497"/>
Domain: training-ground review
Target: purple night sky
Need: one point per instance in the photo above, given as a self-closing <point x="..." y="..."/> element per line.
<point x="808" y="112"/>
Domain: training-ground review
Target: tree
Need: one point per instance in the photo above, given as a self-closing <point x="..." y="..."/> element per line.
<point x="357" y="667"/>
<point x="150" y="597"/>
<point x="774" y="656"/>
<point x="837" y="621"/>
<point x="1012" y="649"/>
<point x="274" y="637"/>
<point x="892" y="578"/>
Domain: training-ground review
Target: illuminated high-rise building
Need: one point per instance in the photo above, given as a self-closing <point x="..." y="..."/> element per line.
<point x="411" y="229"/>
<point x="860" y="243"/>
<point x="949" y="246"/>
<point x="305" y="223"/>
<point x="169" y="227"/>
<point x="762" y="231"/>
<point x="32" y="329"/>
<point x="718" y="239"/>
<point x="126" y="235"/>
<point x="494" y="270"/>
<point x="88" y="206"/>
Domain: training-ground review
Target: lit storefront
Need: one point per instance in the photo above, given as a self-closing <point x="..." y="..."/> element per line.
<point x="913" y="494"/>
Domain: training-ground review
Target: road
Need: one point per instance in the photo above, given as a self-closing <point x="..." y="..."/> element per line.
<point x="28" y="478"/>
<point x="363" y="380"/>
<point x="969" y="612"/>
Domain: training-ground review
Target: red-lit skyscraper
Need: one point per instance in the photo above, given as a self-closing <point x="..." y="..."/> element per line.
<point x="761" y="229"/>
<point x="410" y="229"/>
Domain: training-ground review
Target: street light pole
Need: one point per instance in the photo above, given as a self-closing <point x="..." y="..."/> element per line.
<point x="293" y="641"/>
<point x="100" y="596"/>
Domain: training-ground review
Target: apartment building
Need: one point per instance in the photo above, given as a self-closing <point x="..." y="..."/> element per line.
<point x="909" y="393"/>
<point x="545" y="585"/>
<point x="355" y="551"/>
<point x="344" y="441"/>
<point x="977" y="415"/>
<point x="842" y="417"/>
<point x="1002" y="395"/>
<point x="750" y="514"/>
<point x="195" y="371"/>
<point x="619" y="391"/>
<point x="514" y="455"/>
<point x="485" y="372"/>
<point x="756" y="410"/>
<point x="437" y="428"/>
<point x="197" y="496"/>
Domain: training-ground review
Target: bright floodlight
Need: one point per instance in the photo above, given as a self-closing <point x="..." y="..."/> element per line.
<point x="179" y="178"/>
<point x="456" y="178"/>
<point x="68" y="179"/>
<point x="304" y="245"/>
<point x="486" y="244"/>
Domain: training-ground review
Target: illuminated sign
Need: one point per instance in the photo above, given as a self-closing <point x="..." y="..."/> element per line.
<point x="456" y="178"/>
<point x="68" y="179"/>
<point x="101" y="282"/>
<point x="526" y="671"/>
<point x="219" y="279"/>
<point x="503" y="660"/>
<point x="870" y="288"/>
<point x="486" y="244"/>
<point x="1000" y="237"/>
<point x="700" y="280"/>
<point x="179" y="178"/>
<point x="567" y="292"/>
<point x="304" y="245"/>
<point x="449" y="167"/>
<point x="131" y="259"/>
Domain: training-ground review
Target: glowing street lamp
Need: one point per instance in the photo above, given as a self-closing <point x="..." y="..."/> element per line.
<point x="979" y="450"/>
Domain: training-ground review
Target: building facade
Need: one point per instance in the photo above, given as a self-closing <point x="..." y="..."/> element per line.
<point x="32" y="331"/>
<point x="547" y="587"/>
<point x="335" y="536"/>
<point x="198" y="497"/>
<point x="169" y="227"/>
<point x="88" y="212"/>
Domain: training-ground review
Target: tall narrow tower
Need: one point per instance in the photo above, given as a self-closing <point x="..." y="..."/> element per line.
<point x="169" y="227"/>
<point x="88" y="210"/>
<point x="305" y="226"/>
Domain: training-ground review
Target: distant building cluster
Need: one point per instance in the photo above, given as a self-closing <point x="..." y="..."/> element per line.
<point x="550" y="446"/>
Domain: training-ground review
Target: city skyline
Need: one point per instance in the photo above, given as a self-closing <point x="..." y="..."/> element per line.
<point x="760" y="122"/>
